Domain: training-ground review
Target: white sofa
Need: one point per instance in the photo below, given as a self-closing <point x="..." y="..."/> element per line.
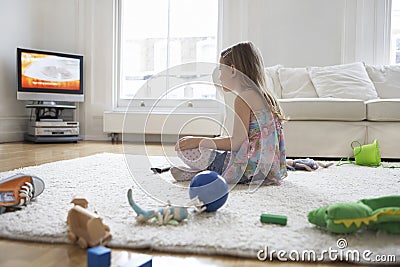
<point x="329" y="107"/>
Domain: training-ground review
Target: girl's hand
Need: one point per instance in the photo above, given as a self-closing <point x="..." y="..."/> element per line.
<point x="188" y="142"/>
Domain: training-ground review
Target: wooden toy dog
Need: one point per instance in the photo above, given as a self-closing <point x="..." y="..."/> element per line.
<point x="85" y="227"/>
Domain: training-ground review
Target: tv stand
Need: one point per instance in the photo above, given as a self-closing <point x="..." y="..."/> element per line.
<point x="48" y="125"/>
<point x="48" y="111"/>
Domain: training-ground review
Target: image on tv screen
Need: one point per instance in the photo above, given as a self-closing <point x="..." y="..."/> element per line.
<point x="49" y="71"/>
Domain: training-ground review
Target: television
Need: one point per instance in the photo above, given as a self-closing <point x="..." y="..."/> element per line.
<point x="49" y="76"/>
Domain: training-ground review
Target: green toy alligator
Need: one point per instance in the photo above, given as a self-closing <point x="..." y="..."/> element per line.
<point x="381" y="213"/>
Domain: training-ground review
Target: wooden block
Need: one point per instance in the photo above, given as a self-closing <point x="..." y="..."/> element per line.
<point x="139" y="260"/>
<point x="272" y="218"/>
<point x="99" y="257"/>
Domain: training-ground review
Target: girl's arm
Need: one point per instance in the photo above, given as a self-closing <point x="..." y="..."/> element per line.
<point x="240" y="132"/>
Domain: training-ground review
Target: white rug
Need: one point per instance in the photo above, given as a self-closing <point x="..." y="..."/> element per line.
<point x="235" y="229"/>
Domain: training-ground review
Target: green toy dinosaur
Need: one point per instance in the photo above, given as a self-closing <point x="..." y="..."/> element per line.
<point x="381" y="213"/>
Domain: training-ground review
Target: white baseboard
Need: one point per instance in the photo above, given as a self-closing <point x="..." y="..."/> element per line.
<point x="97" y="137"/>
<point x="12" y="129"/>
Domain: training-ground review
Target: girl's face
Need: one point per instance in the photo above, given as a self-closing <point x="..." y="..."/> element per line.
<point x="226" y="73"/>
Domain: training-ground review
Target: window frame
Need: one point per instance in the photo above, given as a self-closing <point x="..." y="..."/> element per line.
<point x="195" y="106"/>
<point x="393" y="39"/>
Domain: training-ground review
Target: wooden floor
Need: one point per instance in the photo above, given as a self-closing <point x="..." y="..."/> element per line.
<point x="15" y="253"/>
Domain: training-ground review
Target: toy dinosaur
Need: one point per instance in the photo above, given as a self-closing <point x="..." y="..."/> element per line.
<point x="168" y="215"/>
<point x="381" y="213"/>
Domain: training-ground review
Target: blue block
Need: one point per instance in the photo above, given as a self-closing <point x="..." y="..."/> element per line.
<point x="99" y="257"/>
<point x="140" y="260"/>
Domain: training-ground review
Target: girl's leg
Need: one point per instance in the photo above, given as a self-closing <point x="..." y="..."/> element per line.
<point x="197" y="159"/>
<point x="182" y="173"/>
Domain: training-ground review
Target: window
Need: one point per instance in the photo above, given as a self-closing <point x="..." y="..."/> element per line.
<point x="162" y="44"/>
<point x="395" y="33"/>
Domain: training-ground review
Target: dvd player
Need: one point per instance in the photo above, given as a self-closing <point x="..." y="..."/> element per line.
<point x="50" y="131"/>
<point x="54" y="124"/>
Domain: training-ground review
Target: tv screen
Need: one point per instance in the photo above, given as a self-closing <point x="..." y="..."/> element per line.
<point x="49" y="76"/>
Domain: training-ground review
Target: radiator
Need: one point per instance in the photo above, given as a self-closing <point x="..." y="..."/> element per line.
<point x="163" y="123"/>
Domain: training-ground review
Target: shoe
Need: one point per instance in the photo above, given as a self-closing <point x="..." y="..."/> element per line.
<point x="181" y="174"/>
<point x="18" y="190"/>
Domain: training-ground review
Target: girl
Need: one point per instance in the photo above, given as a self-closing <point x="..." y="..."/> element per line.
<point x="255" y="151"/>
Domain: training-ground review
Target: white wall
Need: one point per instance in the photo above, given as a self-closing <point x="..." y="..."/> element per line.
<point x="40" y="24"/>
<point x="18" y="27"/>
<point x="83" y="27"/>
<point x="289" y="32"/>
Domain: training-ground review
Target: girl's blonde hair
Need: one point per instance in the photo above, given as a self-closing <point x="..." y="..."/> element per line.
<point x="247" y="59"/>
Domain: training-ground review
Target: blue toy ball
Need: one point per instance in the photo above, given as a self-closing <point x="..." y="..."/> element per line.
<point x="211" y="189"/>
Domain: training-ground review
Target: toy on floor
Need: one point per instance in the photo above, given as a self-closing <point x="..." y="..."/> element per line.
<point x="98" y="257"/>
<point x="381" y="213"/>
<point x="211" y="189"/>
<point x="139" y="260"/>
<point x="272" y="218"/>
<point x="161" y="169"/>
<point x="305" y="164"/>
<point x="169" y="215"/>
<point x="367" y="155"/>
<point x="364" y="155"/>
<point x="85" y="227"/>
<point x="80" y="201"/>
<point x="19" y="190"/>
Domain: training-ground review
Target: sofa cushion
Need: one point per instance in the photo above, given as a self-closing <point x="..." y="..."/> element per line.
<point x="383" y="109"/>
<point x="272" y="79"/>
<point x="343" y="81"/>
<point x="331" y="109"/>
<point x="296" y="83"/>
<point x="386" y="80"/>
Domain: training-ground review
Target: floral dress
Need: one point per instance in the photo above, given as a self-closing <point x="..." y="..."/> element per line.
<point x="261" y="158"/>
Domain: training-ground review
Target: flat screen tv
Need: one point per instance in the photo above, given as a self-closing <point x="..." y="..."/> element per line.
<point x="49" y="76"/>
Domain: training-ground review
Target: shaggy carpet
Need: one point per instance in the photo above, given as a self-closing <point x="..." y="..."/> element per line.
<point x="235" y="229"/>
